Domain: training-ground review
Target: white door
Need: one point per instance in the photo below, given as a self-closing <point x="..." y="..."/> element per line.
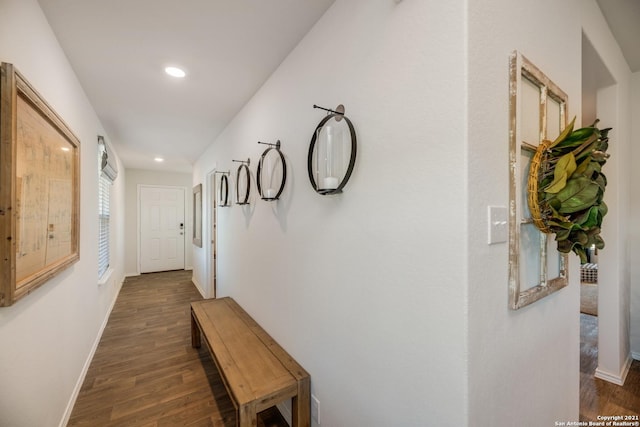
<point x="162" y="229"/>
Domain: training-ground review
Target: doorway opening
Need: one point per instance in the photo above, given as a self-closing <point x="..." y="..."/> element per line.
<point x="598" y="102"/>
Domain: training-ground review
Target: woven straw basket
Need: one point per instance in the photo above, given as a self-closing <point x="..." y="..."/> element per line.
<point x="538" y="160"/>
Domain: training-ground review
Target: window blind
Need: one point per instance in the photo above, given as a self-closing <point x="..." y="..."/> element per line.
<point x="104" y="188"/>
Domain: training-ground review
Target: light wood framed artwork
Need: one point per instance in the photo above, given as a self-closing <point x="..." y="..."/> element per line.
<point x="197" y="215"/>
<point x="39" y="189"/>
<point x="537" y="111"/>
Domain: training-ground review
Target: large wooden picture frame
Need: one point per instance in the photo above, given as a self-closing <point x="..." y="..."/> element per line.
<point x="537" y="111"/>
<point x="39" y="189"/>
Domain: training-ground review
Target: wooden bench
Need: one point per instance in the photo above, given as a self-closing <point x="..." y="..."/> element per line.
<point x="256" y="371"/>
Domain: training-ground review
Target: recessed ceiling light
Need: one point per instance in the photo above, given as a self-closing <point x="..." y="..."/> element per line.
<point x="175" y="72"/>
<point x="159" y="159"/>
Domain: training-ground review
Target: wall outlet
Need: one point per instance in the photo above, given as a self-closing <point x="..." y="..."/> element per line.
<point x="315" y="409"/>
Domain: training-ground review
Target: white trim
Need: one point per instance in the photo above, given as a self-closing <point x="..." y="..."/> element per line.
<point x="617" y="379"/>
<point x="138" y="233"/>
<point x="199" y="286"/>
<point x="209" y="192"/>
<point x="635" y="355"/>
<point x="76" y="390"/>
<point x="105" y="277"/>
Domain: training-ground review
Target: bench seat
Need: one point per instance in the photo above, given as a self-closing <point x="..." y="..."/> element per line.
<point x="257" y="372"/>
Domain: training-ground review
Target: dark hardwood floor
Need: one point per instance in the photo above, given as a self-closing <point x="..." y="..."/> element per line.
<point x="145" y="373"/>
<point x="599" y="397"/>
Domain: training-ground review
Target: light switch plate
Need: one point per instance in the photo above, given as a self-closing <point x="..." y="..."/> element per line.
<point x="498" y="224"/>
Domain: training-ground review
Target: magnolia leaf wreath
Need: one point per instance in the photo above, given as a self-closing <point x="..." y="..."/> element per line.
<point x="566" y="188"/>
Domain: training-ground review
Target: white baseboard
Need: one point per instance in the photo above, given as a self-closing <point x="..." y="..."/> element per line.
<point x="615" y="378"/>
<point x="87" y="363"/>
<point x="199" y="287"/>
<point x="636" y="356"/>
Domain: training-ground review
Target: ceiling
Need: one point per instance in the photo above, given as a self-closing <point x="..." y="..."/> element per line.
<point x="623" y="17"/>
<point x="119" y="49"/>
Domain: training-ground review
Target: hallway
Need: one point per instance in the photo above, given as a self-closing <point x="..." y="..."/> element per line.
<point x="145" y="373"/>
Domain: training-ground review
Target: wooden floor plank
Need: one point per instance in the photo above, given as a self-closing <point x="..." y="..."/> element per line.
<point x="599" y="397"/>
<point x="145" y="373"/>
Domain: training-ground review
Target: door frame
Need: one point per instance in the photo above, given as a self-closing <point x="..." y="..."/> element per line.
<point x="139" y="211"/>
<point x="211" y="236"/>
<point x="614" y="348"/>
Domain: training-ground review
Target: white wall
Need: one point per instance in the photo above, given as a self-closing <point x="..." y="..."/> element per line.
<point x="367" y="290"/>
<point x="387" y="294"/>
<point x="48" y="336"/>
<point x="524" y="365"/>
<point x="325" y="294"/>
<point x="634" y="223"/>
<point x="137" y="177"/>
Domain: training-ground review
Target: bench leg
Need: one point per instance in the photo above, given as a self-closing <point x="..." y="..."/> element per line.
<point x="195" y="333"/>
<point x="247" y="415"/>
<point x="301" y="405"/>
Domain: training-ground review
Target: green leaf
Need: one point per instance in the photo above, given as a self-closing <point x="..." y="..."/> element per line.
<point x="589" y="218"/>
<point x="599" y="242"/>
<point x="564" y="168"/>
<point x="565" y="246"/>
<point x="580" y="237"/>
<point x="593" y="233"/>
<point x="603" y="209"/>
<point x="562" y="235"/>
<point x="579" y="194"/>
<point x="592" y="169"/>
<point x="577" y="137"/>
<point x="554" y="203"/>
<point x="582" y="253"/>
<point x="586" y="148"/>
<point x="559" y="182"/>
<point x="567" y="130"/>
<point x="582" y="167"/>
<point x="561" y="225"/>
